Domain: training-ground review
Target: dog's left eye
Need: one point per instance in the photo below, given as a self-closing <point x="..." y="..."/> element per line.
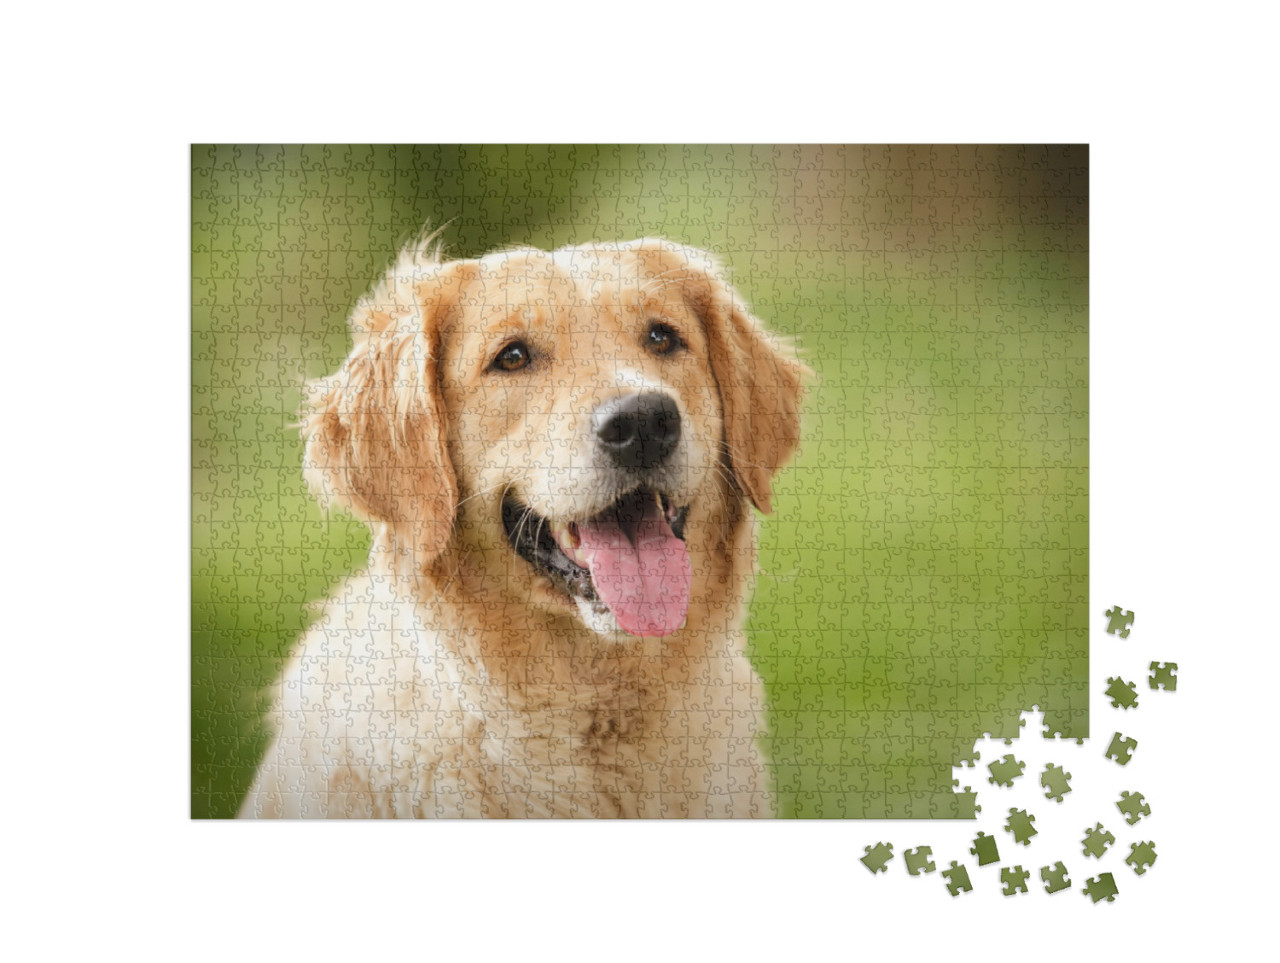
<point x="662" y="338"/>
<point x="513" y="357"/>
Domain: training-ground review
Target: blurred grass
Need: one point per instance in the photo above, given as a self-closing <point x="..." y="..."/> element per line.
<point x="925" y="575"/>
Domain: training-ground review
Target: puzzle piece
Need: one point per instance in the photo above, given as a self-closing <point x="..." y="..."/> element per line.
<point x="984" y="847"/>
<point x="1015" y="880"/>
<point x="1096" y="841"/>
<point x="1133" y="806"/>
<point x="1004" y="772"/>
<point x="1142" y="856"/>
<point x="1054" y="781"/>
<point x="1122" y="693"/>
<point x="877" y="859"/>
<point x="1055" y="879"/>
<point x="968" y="799"/>
<point x="918" y="861"/>
<point x="1102" y="886"/>
<point x="957" y="879"/>
<point x="1121" y="749"/>
<point x="1164" y="676"/>
<point x="1118" y="622"/>
<point x="1019" y="823"/>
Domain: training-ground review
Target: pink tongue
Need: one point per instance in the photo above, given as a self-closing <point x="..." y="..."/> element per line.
<point x="643" y="579"/>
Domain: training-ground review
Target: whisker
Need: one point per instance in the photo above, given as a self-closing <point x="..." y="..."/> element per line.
<point x="504" y="485"/>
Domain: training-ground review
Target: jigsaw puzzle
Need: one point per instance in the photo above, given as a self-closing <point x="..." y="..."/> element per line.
<point x="1055" y="782"/>
<point x="1163" y="676"/>
<point x="1123" y="694"/>
<point x="921" y="572"/>
<point x="918" y="861"/>
<point x="957" y="879"/>
<point x="1119" y="621"/>
<point x="1014" y="880"/>
<point x="1103" y="886"/>
<point x="1142" y="856"/>
<point x="1133" y="806"/>
<point x="1055" y="878"/>
<point x="1004" y="772"/>
<point x="1096" y="841"/>
<point x="1121" y="749"/>
<point x="1019" y="824"/>
<point x="877" y="857"/>
<point x="984" y="847"/>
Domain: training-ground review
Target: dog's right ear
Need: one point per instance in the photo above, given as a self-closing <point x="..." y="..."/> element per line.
<point x="375" y="431"/>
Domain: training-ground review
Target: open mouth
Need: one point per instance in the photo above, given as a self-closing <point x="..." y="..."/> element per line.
<point x="630" y="558"/>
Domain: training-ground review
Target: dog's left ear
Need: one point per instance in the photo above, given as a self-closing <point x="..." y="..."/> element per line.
<point x="760" y="386"/>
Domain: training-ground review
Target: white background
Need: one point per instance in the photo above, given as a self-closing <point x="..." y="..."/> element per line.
<point x="102" y="104"/>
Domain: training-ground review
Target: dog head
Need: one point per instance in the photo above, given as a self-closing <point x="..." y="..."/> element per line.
<point x="563" y="420"/>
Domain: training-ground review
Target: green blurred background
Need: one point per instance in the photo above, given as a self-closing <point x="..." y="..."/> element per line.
<point x="925" y="575"/>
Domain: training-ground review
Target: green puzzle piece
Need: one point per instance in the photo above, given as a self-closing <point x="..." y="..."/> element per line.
<point x="1054" y="780"/>
<point x="1103" y="886"/>
<point x="1123" y="694"/>
<point x="918" y="861"/>
<point x="1015" y="879"/>
<point x="1004" y="772"/>
<point x="1134" y="807"/>
<point x="957" y="879"/>
<point x="1121" y="749"/>
<point x="1142" y="856"/>
<point x="1118" y="622"/>
<point x="984" y="847"/>
<point x="1054" y="878"/>
<point x="877" y="859"/>
<point x="1096" y="841"/>
<point x="1163" y="676"/>
<point x="1019" y="824"/>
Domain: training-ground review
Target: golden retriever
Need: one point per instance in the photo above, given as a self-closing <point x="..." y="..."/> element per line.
<point x="557" y="454"/>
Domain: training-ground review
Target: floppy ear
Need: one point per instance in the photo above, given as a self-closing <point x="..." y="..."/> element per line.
<point x="759" y="385"/>
<point x="375" y="431"/>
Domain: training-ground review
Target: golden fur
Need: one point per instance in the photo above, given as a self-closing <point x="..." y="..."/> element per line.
<point x="452" y="678"/>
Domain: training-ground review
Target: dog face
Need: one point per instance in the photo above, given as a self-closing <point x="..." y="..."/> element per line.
<point x="564" y="421"/>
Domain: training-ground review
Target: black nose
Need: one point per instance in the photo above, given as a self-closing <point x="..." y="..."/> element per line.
<point x="637" y="431"/>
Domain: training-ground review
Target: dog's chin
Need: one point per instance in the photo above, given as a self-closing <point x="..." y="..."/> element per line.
<point x="601" y="621"/>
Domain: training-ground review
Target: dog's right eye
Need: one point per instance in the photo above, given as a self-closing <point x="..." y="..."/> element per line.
<point x="512" y="357"/>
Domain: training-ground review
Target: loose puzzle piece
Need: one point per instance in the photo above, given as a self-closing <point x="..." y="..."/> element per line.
<point x="918" y="861"/>
<point x="1096" y="841"/>
<point x="1133" y="806"/>
<point x="1121" y="749"/>
<point x="1015" y="880"/>
<point x="877" y="859"/>
<point x="957" y="879"/>
<point x="1004" y="772"/>
<point x="1055" y="879"/>
<point x="1142" y="856"/>
<point x="984" y="847"/>
<point x="1019" y="823"/>
<point x="1103" y="886"/>
<point x="1054" y="781"/>
<point x="1118" y="622"/>
<point x="1164" y="676"/>
<point x="1122" y="693"/>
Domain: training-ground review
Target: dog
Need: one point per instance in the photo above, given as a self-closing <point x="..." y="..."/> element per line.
<point x="557" y="454"/>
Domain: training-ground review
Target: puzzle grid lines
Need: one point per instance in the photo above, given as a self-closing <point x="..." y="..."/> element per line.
<point x="928" y="557"/>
